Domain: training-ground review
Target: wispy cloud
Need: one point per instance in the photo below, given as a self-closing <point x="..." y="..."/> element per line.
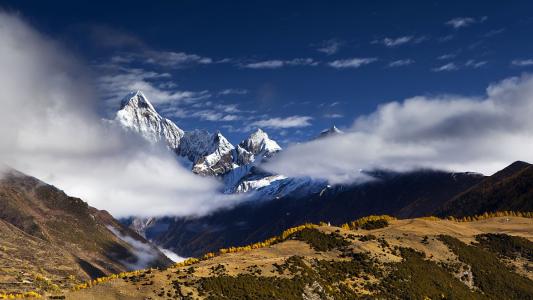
<point x="175" y="59"/>
<point x="401" y="63"/>
<point x="207" y="111"/>
<point x="351" y="62"/>
<point x="398" y="41"/>
<point x="330" y="47"/>
<point x="166" y="59"/>
<point x="267" y="64"/>
<point x="276" y="63"/>
<point x="446" y="56"/>
<point x="462" y="22"/>
<point x="522" y="62"/>
<point x="471" y="63"/>
<point x="233" y="92"/>
<point x="115" y="83"/>
<point x="494" y="32"/>
<point x="446" y="68"/>
<point x="279" y="123"/>
<point x="215" y="116"/>
<point x="333" y="116"/>
<point x="393" y="42"/>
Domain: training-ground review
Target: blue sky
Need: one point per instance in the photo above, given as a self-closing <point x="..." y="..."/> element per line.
<point x="291" y="68"/>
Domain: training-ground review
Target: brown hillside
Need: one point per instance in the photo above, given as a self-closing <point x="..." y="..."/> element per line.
<point x="409" y="259"/>
<point x="510" y="189"/>
<point x="49" y="240"/>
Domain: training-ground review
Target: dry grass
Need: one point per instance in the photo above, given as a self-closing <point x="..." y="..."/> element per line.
<point x="419" y="234"/>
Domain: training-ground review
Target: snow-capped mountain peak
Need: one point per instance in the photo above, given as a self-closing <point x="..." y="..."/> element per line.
<point x="217" y="156"/>
<point x="211" y="154"/>
<point x="137" y="100"/>
<point x="138" y="114"/>
<point x="259" y="142"/>
<point x="333" y="130"/>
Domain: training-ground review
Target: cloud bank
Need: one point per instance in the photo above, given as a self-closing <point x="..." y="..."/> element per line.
<point x="50" y="128"/>
<point x="446" y="132"/>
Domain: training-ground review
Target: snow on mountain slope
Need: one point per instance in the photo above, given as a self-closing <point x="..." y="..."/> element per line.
<point x="258" y="183"/>
<point x="218" y="158"/>
<point x="260" y="145"/>
<point x="210" y="154"/>
<point x="249" y="153"/>
<point x="138" y="114"/>
<point x="330" y="131"/>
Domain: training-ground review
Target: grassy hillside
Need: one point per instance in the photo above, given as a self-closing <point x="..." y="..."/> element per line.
<point x="425" y="258"/>
<point x="50" y="241"/>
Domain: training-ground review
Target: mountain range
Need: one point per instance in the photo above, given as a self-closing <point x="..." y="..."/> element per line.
<point x="52" y="243"/>
<point x="210" y="154"/>
<point x="293" y="201"/>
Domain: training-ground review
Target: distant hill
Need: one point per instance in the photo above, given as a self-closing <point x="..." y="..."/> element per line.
<point x="49" y="240"/>
<point x="509" y="189"/>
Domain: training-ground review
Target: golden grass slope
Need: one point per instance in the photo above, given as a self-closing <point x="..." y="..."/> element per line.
<point x="185" y="281"/>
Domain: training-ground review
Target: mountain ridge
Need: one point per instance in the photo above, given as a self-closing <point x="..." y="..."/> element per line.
<point x="46" y="233"/>
<point x="508" y="189"/>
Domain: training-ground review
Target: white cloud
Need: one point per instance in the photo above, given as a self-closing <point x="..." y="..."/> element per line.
<point x="276" y="63"/>
<point x="446" y="68"/>
<point x="330" y="47"/>
<point x="393" y="42"/>
<point x="401" y="63"/>
<point x="464" y="22"/>
<point x="172" y="255"/>
<point x="233" y="92"/>
<point x="50" y="128"/>
<point x="351" y="62"/>
<point x="446" y="56"/>
<point x="214" y="116"/>
<point x="167" y="59"/>
<point x="522" y="62"/>
<point x="116" y="82"/>
<point x="333" y="116"/>
<point x="267" y="64"/>
<point x="446" y="132"/>
<point x="475" y="64"/>
<point x="175" y="59"/>
<point x="229" y="108"/>
<point x="145" y="253"/>
<point x="398" y="41"/>
<point x="289" y="122"/>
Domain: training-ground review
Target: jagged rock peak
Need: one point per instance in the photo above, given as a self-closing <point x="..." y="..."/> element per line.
<point x="137" y="99"/>
<point x="138" y="114"/>
<point x="258" y="141"/>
